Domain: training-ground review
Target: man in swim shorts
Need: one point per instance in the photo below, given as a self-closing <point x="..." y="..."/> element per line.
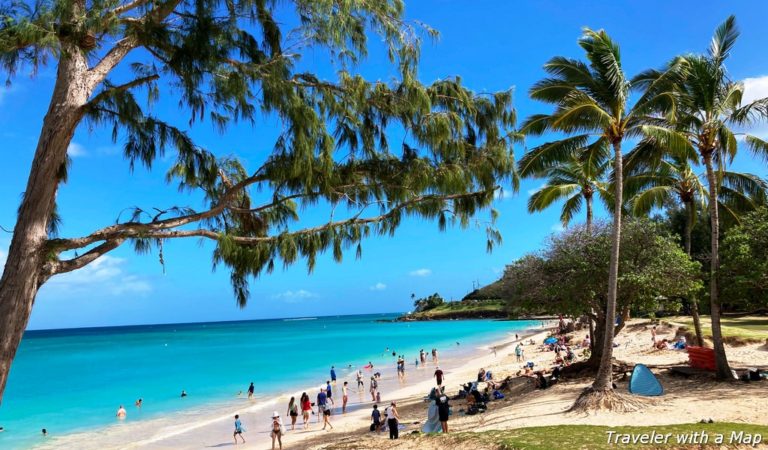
<point x="238" y="429"/>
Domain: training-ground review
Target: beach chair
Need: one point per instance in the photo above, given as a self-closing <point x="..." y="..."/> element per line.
<point x="701" y="358"/>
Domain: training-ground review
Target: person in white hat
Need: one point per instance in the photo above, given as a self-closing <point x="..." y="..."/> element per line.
<point x="277" y="430"/>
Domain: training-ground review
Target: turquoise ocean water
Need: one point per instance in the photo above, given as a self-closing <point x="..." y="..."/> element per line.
<point x="74" y="380"/>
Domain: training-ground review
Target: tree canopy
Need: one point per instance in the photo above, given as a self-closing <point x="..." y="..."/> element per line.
<point x="569" y="275"/>
<point x="745" y="264"/>
<point x="231" y="62"/>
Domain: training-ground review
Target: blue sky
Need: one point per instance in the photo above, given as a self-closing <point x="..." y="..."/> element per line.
<point x="492" y="45"/>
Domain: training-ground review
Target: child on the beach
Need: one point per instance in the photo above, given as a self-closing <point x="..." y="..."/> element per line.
<point x="238" y="429"/>
<point x="376" y="419"/>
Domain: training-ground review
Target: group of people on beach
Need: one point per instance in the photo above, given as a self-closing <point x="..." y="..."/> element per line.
<point x="325" y="403"/>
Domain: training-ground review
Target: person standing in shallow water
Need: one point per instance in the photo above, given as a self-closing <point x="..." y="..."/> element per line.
<point x="333" y="375"/>
<point x="344" y="397"/>
<point x="250" y="390"/>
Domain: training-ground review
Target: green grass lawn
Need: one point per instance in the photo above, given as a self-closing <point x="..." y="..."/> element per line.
<point x="749" y="327"/>
<point x="596" y="437"/>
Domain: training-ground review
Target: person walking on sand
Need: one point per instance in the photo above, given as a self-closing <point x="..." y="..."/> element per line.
<point x="439" y="376"/>
<point x="519" y="352"/>
<point x="360" y="384"/>
<point x="121" y="413"/>
<point x="344" y="397"/>
<point x="306" y="408"/>
<point x="238" y="429"/>
<point x="333" y="375"/>
<point x="276" y="431"/>
<point x="293" y="412"/>
<point x="327" y="417"/>
<point x="653" y="336"/>
<point x="435" y="357"/>
<point x="322" y="400"/>
<point x="329" y="392"/>
<point x="250" y="390"/>
<point x="392" y="420"/>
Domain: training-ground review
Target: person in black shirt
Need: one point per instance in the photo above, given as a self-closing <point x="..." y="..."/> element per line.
<point x="443" y="411"/>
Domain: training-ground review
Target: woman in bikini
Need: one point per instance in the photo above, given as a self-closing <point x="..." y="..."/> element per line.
<point x="277" y="431"/>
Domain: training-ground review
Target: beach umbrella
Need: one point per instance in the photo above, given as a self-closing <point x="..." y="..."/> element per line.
<point x="550" y="340"/>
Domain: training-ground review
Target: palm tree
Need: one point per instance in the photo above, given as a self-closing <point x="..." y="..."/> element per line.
<point x="708" y="104"/>
<point x="591" y="105"/>
<point x="576" y="182"/>
<point x="673" y="180"/>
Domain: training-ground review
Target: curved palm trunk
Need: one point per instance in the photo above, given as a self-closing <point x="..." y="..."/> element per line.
<point x="721" y="359"/>
<point x="603" y="380"/>
<point x="23" y="273"/>
<point x="689" y="212"/>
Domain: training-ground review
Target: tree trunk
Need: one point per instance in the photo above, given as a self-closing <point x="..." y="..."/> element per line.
<point x="27" y="254"/>
<point x="689" y="216"/>
<point x="603" y="380"/>
<point x="721" y="360"/>
<point x="588" y="201"/>
<point x="591" y="333"/>
<point x="597" y="345"/>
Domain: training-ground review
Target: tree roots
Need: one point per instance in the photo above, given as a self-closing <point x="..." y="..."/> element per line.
<point x="592" y="400"/>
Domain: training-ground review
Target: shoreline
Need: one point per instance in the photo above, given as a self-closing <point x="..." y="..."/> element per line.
<point x="209" y="424"/>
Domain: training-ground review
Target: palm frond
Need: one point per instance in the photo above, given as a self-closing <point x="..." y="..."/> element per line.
<point x="547" y="155"/>
<point x="723" y="40"/>
<point x="757" y="146"/>
<point x="549" y="194"/>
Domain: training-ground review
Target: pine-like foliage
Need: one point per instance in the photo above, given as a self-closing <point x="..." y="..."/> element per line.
<point x="229" y="62"/>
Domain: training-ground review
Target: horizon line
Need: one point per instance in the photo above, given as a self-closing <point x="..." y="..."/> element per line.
<point x="206" y="322"/>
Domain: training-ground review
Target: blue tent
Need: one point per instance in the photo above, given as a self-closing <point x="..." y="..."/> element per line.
<point x="644" y="382"/>
<point x="550" y="340"/>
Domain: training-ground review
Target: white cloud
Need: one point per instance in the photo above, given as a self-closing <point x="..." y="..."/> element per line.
<point x="294" y="296"/>
<point x="558" y="227"/>
<point x="105" y="275"/>
<point x="420" y="273"/>
<point x="3" y="258"/>
<point x="75" y="150"/>
<point x="378" y="287"/>
<point x="755" y="88"/>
